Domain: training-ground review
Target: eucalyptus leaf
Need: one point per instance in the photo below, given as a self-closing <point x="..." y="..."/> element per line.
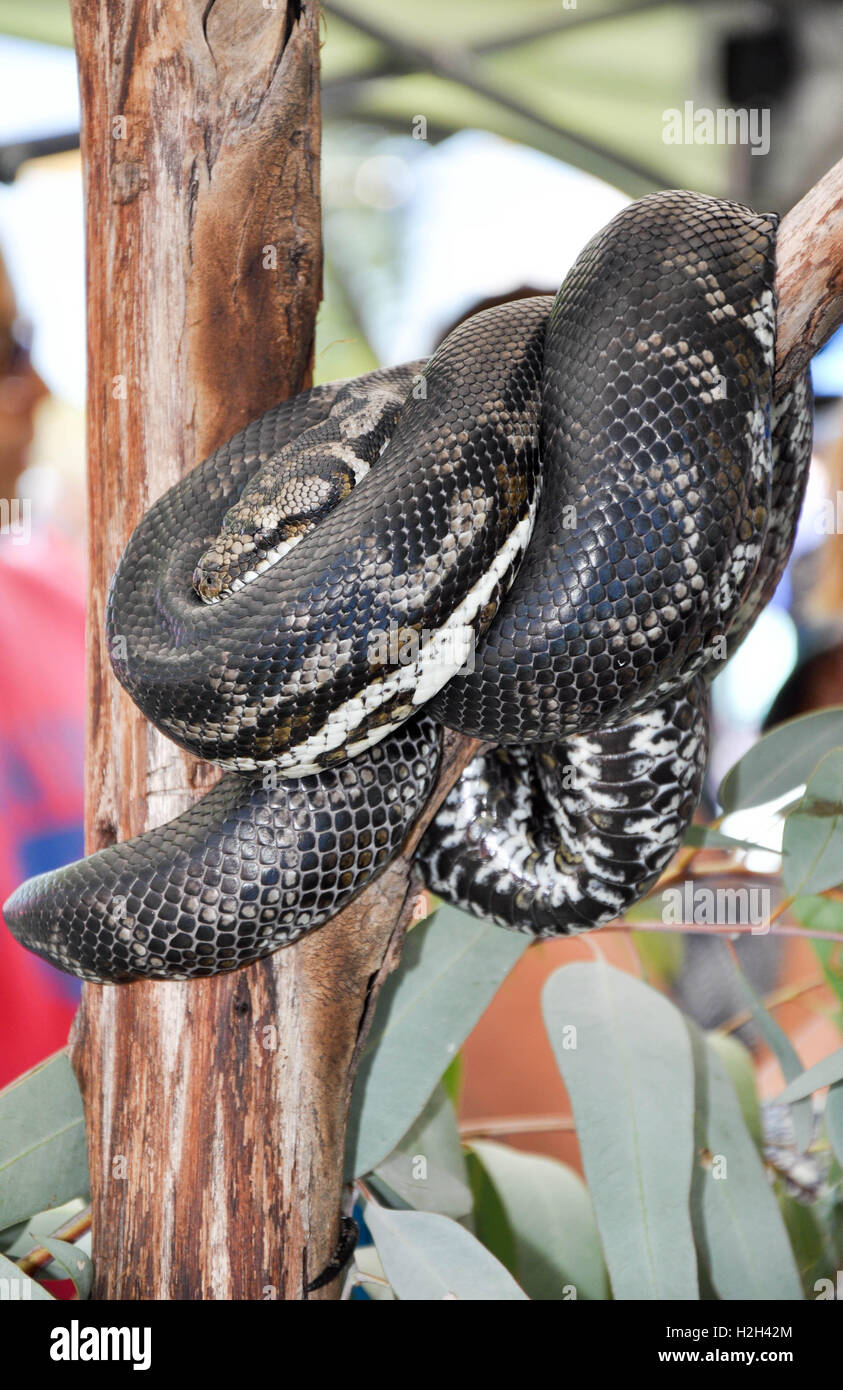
<point x="737" y="1060"/>
<point x="16" y="1286"/>
<point x="10" y="1237"/>
<point x="452" y="967"/>
<point x="370" y="1270"/>
<point x="661" y="953"/>
<point x="824" y="914"/>
<point x="75" y="1264"/>
<point x="707" y="837"/>
<point x="625" y="1057"/>
<point x="834" y="1120"/>
<point x="43" y="1156"/>
<point x="781" y="760"/>
<point x="786" y="1055"/>
<point x="488" y="1220"/>
<point x="828" y="1210"/>
<point x="429" y="1257"/>
<point x="826" y="1072"/>
<point x="19" y="1240"/>
<point x="557" y="1247"/>
<point x="812" y="843"/>
<point x="427" y="1170"/>
<point x="452" y="1078"/>
<point x="740" y="1234"/>
<point x="811" y="1252"/>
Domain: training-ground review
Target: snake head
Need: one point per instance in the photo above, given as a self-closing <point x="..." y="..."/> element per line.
<point x="277" y="510"/>
<point x="247" y="540"/>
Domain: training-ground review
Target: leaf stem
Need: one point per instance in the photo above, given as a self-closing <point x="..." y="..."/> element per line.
<point x="513" y="1124"/>
<point x="39" y="1257"/>
<point x="715" y="929"/>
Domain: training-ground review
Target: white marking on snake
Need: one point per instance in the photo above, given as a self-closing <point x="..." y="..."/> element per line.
<point x="762" y="320"/>
<point x="436" y="663"/>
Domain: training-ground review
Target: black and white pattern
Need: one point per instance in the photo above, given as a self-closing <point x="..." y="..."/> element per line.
<point x="559" y="520"/>
<point x="555" y="839"/>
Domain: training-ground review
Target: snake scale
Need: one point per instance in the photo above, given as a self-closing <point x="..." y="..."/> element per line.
<point x="549" y="536"/>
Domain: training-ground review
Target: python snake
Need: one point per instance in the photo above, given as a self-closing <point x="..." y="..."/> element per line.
<point x="550" y="536"/>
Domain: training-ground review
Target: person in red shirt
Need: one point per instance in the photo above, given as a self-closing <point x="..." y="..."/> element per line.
<point x="42" y="710"/>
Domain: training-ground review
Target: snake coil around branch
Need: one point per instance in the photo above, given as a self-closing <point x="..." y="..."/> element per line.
<point x="550" y="536"/>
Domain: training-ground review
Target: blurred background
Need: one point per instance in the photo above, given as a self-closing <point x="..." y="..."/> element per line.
<point x="471" y="147"/>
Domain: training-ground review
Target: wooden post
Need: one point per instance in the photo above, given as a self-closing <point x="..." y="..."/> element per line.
<point x="201" y="156"/>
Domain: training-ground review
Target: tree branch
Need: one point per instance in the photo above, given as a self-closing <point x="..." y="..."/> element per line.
<point x="809" y="277"/>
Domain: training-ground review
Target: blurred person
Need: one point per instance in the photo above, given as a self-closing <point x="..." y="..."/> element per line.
<point x="42" y="708"/>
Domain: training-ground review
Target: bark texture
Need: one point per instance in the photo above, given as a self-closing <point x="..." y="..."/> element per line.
<point x="211" y="1112"/>
<point x="809" y="276"/>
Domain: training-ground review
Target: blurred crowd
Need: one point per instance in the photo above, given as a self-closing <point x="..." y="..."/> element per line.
<point x="42" y="704"/>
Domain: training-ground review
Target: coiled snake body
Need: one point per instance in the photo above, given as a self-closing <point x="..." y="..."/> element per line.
<point x="550" y="537"/>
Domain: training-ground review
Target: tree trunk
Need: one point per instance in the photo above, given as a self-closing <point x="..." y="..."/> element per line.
<point x="212" y="1107"/>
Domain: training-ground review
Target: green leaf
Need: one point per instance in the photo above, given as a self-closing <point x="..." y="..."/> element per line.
<point x="427" y="1170"/>
<point x="15" y="1285"/>
<point x="824" y="914"/>
<point x="452" y="967"/>
<point x="812" y="844"/>
<point x="43" y="1157"/>
<point x="707" y="837"/>
<point x="19" y="1240"/>
<point x="737" y="1060"/>
<point x="661" y="953"/>
<point x="811" y="1251"/>
<point x="786" y="1056"/>
<point x="781" y="760"/>
<point x="73" y="1261"/>
<point x="368" y="1263"/>
<point x="488" y="1220"/>
<point x="428" y="1257"/>
<point x="646" y="910"/>
<point x="557" y="1247"/>
<point x="828" y="1210"/>
<point x="834" y="1120"/>
<point x="10" y="1237"/>
<point x="628" y="1069"/>
<point x="452" y="1078"/>
<point x="826" y="1072"/>
<point x="738" y="1227"/>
